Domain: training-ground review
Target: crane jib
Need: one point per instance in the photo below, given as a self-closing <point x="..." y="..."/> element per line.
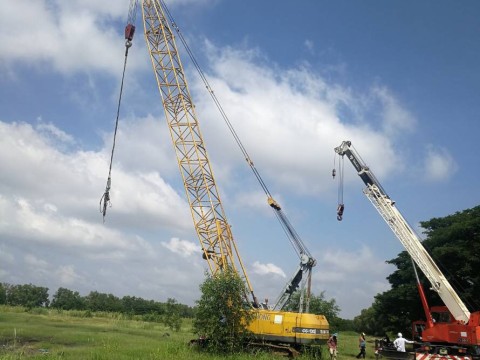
<point x="353" y="160"/>
<point x="407" y="236"/>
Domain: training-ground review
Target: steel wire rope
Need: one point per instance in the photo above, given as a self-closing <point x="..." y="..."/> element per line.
<point x="216" y="101"/>
<point x="105" y="199"/>
<point x="286" y="225"/>
<point x="340" y="203"/>
<point x="340" y="180"/>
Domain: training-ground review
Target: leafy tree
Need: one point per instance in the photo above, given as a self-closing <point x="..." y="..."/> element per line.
<point x="454" y="244"/>
<point x="343" y="325"/>
<point x="320" y="306"/>
<point x="137" y="306"/>
<point x="32" y="296"/>
<point x="68" y="300"/>
<point x="96" y="301"/>
<point x="3" y="293"/>
<point x="186" y="311"/>
<point x="172" y="316"/>
<point x="27" y="295"/>
<point x="223" y="313"/>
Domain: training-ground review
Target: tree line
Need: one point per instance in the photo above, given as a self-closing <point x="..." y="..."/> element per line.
<point x="452" y="241"/>
<point x="31" y="296"/>
<point x="454" y="244"/>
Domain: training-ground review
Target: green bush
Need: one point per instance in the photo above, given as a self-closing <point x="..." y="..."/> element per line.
<point x="222" y="313"/>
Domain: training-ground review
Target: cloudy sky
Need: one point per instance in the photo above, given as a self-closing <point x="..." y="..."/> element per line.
<point x="400" y="79"/>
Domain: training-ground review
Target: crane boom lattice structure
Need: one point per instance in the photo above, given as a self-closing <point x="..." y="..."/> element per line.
<point x="207" y="211"/>
<point x="288" y="332"/>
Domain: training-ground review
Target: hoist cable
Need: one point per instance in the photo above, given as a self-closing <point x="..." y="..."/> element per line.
<point x="340" y="179"/>
<point x="287" y="226"/>
<point x="216" y="101"/>
<point x="129" y="32"/>
<point x="340" y="204"/>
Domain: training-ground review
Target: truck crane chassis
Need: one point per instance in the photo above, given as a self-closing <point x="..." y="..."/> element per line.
<point x="458" y="335"/>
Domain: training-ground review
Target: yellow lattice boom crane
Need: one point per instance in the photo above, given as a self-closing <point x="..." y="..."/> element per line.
<point x="208" y="215"/>
<point x="280" y="329"/>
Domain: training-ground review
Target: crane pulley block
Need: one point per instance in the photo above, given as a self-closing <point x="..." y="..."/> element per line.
<point x="129" y="32"/>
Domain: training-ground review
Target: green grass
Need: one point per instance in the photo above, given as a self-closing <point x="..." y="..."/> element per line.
<point x="348" y="345"/>
<point x="49" y="334"/>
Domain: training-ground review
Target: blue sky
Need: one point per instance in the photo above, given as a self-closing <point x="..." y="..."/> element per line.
<point x="400" y="79"/>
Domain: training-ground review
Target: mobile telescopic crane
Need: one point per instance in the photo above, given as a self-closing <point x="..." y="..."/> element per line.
<point x="456" y="331"/>
<point x="289" y="330"/>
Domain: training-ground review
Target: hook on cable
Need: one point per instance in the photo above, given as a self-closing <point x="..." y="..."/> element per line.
<point x="105" y="199"/>
<point x="340" y="209"/>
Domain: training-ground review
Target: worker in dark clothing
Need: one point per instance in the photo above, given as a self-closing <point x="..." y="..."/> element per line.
<point x="362" y="344"/>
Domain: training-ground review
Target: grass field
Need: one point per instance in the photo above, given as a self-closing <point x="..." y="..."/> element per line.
<point x="49" y="334"/>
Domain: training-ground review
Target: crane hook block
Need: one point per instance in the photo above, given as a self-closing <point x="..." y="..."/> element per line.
<point x="334" y="172"/>
<point x="340" y="209"/>
<point x="129" y="31"/>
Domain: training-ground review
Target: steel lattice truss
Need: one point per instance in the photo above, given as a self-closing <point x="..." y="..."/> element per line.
<point x="206" y="208"/>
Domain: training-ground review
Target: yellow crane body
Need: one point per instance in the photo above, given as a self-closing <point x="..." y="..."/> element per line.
<point x="290" y="327"/>
<point x="218" y="246"/>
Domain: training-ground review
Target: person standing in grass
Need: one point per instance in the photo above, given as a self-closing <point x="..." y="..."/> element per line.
<point x="332" y="346"/>
<point x="362" y="344"/>
<point x="400" y="342"/>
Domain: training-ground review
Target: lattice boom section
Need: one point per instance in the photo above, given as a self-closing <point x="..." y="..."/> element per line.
<point x="206" y="208"/>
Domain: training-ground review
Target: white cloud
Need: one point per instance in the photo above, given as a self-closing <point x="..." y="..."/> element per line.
<point x="31" y="224"/>
<point x="143" y="144"/>
<point x="5" y="257"/>
<point x="265" y="269"/>
<point x="184" y="248"/>
<point x="396" y="118"/>
<point x="358" y="273"/>
<point x="36" y="176"/>
<point x="309" y="45"/>
<point x="51" y="130"/>
<point x="62" y="35"/>
<point x="340" y="265"/>
<point x="289" y="120"/>
<point x="67" y="275"/>
<point x="255" y="201"/>
<point x="439" y="164"/>
<point x="35" y="262"/>
<point x="70" y="36"/>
